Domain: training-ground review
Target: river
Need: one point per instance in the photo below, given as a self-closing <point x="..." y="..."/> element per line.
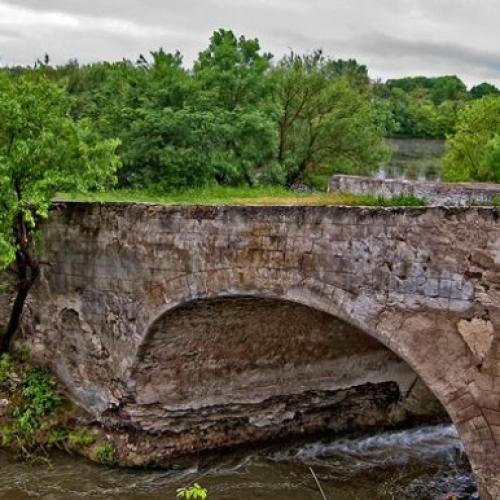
<point x="421" y="463"/>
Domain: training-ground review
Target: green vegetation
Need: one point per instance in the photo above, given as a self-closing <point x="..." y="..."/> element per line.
<point x="483" y="90"/>
<point x="474" y="151"/>
<point x="5" y="367"/>
<point x="105" y="453"/>
<point x="36" y="411"/>
<point x="41" y="149"/>
<point x="194" y="492"/>
<point x="243" y="196"/>
<point x="81" y="438"/>
<point x="325" y="122"/>
<point x="422" y="107"/>
<point x="37" y="417"/>
<point x="234" y="118"/>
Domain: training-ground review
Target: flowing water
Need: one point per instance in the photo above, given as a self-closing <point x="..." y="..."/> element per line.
<point x="422" y="463"/>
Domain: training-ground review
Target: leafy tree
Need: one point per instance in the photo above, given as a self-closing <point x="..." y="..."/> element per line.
<point x="183" y="129"/>
<point x="416" y="115"/>
<point x="325" y="124"/>
<point x="232" y="75"/>
<point x="152" y="118"/>
<point x="356" y="74"/>
<point x="438" y="89"/>
<point x="448" y="88"/>
<point x="42" y="150"/>
<point x="232" y="71"/>
<point x="474" y="151"/>
<point x="483" y="89"/>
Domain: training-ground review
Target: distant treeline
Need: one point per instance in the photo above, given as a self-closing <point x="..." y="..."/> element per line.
<point x="239" y="117"/>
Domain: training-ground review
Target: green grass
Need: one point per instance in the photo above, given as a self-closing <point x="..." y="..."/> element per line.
<point x="242" y="196"/>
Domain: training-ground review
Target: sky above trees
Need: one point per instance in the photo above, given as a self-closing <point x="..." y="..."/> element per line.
<point x="392" y="37"/>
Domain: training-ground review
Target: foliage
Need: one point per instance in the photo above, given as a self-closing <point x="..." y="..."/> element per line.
<point x="37" y="399"/>
<point x="5" y="368"/>
<point x="41" y="150"/>
<point x="438" y="89"/>
<point x="483" y="89"/>
<point x="105" y="453"/>
<point x="416" y="114"/>
<point x="37" y="412"/>
<point x="81" y="438"/>
<point x="194" y="492"/>
<point x="474" y="151"/>
<point x="325" y="124"/>
<point x="37" y="417"/>
<point x="221" y="121"/>
<point x="237" y="117"/>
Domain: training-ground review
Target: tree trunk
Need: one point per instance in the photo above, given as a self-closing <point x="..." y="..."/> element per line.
<point x="27" y="270"/>
<point x="296" y="174"/>
<point x="282" y="142"/>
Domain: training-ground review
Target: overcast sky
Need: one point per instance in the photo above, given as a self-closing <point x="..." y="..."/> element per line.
<point x="393" y="37"/>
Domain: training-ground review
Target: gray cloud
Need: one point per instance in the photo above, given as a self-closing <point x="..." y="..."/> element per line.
<point x="393" y="37"/>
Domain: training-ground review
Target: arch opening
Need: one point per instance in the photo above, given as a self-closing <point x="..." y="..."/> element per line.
<point x="216" y="373"/>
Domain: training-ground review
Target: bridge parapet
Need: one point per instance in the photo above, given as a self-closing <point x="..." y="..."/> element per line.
<point x="435" y="193"/>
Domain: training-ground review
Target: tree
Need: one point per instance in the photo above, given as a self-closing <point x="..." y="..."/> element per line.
<point x="438" y="89"/>
<point x="42" y="150"/>
<point x="474" y="151"/>
<point x="482" y="90"/>
<point x="325" y="124"/>
<point x="181" y="129"/>
<point x="356" y="74"/>
<point x="232" y="71"/>
<point x="234" y="87"/>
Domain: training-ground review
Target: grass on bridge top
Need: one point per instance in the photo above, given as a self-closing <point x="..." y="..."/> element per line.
<point x="219" y="195"/>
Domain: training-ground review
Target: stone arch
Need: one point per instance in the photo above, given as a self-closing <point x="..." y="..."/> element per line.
<point x="425" y="339"/>
<point x="395" y="329"/>
<point x="260" y="320"/>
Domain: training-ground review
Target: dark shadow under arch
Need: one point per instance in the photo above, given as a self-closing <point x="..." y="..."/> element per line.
<point x="226" y="371"/>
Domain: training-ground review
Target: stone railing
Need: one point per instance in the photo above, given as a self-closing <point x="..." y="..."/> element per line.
<point x="435" y="193"/>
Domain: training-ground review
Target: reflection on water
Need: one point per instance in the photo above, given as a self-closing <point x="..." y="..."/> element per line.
<point x="424" y="463"/>
<point x="414" y="159"/>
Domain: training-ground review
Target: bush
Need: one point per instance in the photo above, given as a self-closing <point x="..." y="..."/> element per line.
<point x="105" y="453"/>
<point x="194" y="492"/>
<point x="5" y="367"/>
<point x="474" y="151"/>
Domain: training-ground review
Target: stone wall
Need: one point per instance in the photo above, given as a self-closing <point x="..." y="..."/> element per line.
<point x="435" y="193"/>
<point x="127" y="290"/>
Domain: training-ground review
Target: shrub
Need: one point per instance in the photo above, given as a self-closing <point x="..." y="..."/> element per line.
<point x="194" y="492"/>
<point x="5" y="368"/>
<point x="105" y="453"/>
<point x="81" y="438"/>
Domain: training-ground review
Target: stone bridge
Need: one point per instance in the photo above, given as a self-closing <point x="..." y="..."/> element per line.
<point x="184" y="329"/>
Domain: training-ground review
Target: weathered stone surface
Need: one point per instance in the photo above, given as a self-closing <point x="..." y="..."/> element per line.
<point x="124" y="281"/>
<point x="264" y="368"/>
<point x="435" y="193"/>
<point x="479" y="335"/>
